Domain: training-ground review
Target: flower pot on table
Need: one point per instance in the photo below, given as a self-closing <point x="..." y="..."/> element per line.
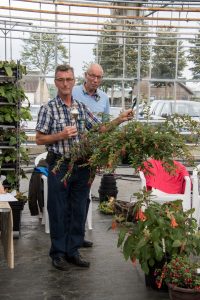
<point x="17" y="207"/>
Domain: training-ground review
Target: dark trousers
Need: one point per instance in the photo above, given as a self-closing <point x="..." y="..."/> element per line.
<point x="67" y="209"/>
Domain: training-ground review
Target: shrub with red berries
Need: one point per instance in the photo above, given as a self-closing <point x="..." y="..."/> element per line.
<point x="180" y="272"/>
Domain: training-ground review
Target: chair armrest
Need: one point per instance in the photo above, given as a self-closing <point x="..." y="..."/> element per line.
<point x="143" y="180"/>
<point x="188" y="183"/>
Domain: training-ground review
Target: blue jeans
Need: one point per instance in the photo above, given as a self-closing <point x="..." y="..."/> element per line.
<point x="67" y="209"/>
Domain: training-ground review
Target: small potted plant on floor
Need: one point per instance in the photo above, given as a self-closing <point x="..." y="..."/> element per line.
<point x="181" y="276"/>
<point x="160" y="231"/>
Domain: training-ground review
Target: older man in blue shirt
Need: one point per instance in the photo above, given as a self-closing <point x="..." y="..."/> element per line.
<point x="90" y="94"/>
<point x="96" y="100"/>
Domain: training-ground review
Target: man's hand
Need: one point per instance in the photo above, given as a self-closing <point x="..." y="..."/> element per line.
<point x="68" y="132"/>
<point x="126" y="115"/>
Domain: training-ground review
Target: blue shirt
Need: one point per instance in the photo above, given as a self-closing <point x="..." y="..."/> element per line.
<point x="55" y="115"/>
<point x="97" y="103"/>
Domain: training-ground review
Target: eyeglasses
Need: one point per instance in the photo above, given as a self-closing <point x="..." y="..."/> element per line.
<point x="94" y="76"/>
<point x="68" y="80"/>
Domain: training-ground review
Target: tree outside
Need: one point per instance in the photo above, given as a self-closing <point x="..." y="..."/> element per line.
<point x="112" y="47"/>
<point x="164" y="57"/>
<point x="194" y="56"/>
<point x="39" y="53"/>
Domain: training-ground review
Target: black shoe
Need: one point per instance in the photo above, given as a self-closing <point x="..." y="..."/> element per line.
<point x="60" y="263"/>
<point x="87" y="244"/>
<point x="78" y="261"/>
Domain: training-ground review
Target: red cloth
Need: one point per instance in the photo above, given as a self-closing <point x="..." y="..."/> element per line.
<point x="166" y="182"/>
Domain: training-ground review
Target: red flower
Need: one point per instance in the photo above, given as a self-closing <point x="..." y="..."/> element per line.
<point x="114" y="225"/>
<point x="65" y="183"/>
<point x="140" y="215"/>
<point x="133" y="260"/>
<point x="173" y="222"/>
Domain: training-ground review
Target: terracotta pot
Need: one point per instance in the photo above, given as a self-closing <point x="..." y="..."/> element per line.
<point x="178" y="293"/>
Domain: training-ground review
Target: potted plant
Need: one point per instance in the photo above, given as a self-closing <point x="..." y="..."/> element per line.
<point x="160" y="231"/>
<point x="181" y="276"/>
<point x="17" y="207"/>
<point x="137" y="141"/>
<point x="12" y="68"/>
<point x="12" y="114"/>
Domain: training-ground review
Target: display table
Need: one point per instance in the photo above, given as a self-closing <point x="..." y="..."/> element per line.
<point x="7" y="232"/>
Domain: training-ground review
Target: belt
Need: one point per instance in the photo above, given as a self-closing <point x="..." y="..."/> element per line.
<point x="52" y="157"/>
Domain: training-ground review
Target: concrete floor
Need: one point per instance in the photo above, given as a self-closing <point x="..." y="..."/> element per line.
<point x="109" y="277"/>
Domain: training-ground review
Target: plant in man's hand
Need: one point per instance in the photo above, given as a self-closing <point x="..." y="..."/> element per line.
<point x="135" y="140"/>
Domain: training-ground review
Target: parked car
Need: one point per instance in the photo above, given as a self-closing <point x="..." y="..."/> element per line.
<point x="161" y="109"/>
<point x="115" y="111"/>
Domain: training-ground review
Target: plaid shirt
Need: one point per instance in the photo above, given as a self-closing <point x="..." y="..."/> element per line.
<point x="55" y="115"/>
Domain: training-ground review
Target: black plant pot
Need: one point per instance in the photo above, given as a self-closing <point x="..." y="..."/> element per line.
<point x="3" y="99"/>
<point x="17" y="207"/>
<point x="10" y="165"/>
<point x="150" y="279"/>
<point x="108" y="187"/>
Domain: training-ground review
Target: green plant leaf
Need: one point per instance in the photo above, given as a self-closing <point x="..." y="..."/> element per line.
<point x="158" y="251"/>
<point x="121" y="237"/>
<point x="129" y="247"/>
<point x="145" y="267"/>
<point x="8" y="70"/>
<point x="176" y="244"/>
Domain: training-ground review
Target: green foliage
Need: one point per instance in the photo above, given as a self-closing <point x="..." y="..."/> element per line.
<point x="110" y="49"/>
<point x="136" y="140"/>
<point x="39" y="52"/>
<point x="10" y="114"/>
<point x="162" y="229"/>
<point x="12" y="93"/>
<point x="11" y="66"/>
<point x="194" y="56"/>
<point x="105" y="208"/>
<point x="180" y="271"/>
<point x="164" y="57"/>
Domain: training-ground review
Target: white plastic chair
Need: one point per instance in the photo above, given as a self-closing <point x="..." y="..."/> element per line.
<point x="45" y="219"/>
<point x="196" y="194"/>
<point x="162" y="197"/>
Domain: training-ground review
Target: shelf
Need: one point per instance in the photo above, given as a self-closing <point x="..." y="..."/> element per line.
<point x="8" y="169"/>
<point x="7" y="79"/>
<point x="8" y="126"/>
<point x="7" y="147"/>
<point x="10" y="107"/>
<point x="7" y="103"/>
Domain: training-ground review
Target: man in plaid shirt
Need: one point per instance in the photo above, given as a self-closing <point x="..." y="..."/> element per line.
<point x="60" y="124"/>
